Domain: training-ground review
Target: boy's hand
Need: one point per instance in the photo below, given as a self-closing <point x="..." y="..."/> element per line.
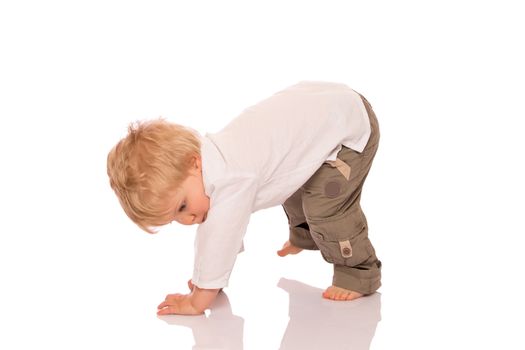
<point x="178" y="304"/>
<point x="188" y="304"/>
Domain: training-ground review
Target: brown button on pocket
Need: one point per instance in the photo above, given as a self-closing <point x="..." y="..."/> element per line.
<point x="346" y="249"/>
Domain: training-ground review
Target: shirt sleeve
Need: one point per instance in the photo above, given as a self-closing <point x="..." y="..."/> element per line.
<point x="220" y="238"/>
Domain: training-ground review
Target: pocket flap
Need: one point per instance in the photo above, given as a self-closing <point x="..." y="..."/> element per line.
<point x="346" y="249"/>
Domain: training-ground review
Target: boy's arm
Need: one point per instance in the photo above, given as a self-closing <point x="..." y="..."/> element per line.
<point x="188" y="304"/>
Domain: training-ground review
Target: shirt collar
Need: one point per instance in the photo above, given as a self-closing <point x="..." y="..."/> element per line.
<point x="213" y="164"/>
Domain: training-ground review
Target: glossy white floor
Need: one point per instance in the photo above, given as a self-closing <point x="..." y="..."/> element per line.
<point x="96" y="284"/>
<point x="444" y="198"/>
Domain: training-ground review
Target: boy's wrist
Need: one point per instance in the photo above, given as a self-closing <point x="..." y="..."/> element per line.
<point x="201" y="299"/>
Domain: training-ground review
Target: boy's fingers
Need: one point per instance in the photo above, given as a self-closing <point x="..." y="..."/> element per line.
<point x="174" y="296"/>
<point x="169" y="302"/>
<point x="167" y="311"/>
<point x="163" y="304"/>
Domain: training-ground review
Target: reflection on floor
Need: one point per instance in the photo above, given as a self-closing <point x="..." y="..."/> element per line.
<point x="315" y="323"/>
<point x="220" y="330"/>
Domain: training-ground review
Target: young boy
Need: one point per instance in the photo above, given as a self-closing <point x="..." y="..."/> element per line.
<point x="308" y="148"/>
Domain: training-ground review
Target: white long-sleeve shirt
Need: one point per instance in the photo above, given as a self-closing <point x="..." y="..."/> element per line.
<point x="262" y="157"/>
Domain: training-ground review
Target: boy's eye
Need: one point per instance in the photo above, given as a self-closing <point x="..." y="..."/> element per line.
<point x="182" y="207"/>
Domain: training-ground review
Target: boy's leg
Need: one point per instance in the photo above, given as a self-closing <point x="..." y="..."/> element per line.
<point x="331" y="204"/>
<point x="299" y="230"/>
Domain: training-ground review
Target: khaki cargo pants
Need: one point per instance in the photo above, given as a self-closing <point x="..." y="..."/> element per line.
<point x="325" y="214"/>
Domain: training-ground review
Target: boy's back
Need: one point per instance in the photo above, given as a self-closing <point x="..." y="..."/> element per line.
<point x="263" y="156"/>
<point x="284" y="139"/>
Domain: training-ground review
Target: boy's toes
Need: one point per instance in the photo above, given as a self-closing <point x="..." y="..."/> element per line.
<point x="288" y="248"/>
<point x="353" y="295"/>
<point x="337" y="293"/>
<point x="282" y="252"/>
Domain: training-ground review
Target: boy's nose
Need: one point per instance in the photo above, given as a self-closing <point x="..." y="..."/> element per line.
<point x="191" y="219"/>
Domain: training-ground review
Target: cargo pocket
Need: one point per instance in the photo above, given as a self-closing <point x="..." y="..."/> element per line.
<point x="343" y="241"/>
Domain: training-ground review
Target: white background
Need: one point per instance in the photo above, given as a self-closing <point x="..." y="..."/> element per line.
<point x="444" y="199"/>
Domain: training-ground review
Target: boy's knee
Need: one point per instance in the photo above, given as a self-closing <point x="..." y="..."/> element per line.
<point x="301" y="238"/>
<point x="343" y="242"/>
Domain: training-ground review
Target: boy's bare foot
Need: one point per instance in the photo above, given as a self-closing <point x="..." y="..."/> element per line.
<point x="288" y="248"/>
<point x="337" y="293"/>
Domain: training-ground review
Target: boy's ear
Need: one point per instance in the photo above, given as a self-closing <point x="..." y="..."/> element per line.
<point x="196" y="162"/>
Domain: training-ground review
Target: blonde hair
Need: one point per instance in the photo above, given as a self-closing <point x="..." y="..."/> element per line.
<point x="149" y="164"/>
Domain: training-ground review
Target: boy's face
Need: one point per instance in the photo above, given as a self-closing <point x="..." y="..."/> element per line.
<point x="190" y="204"/>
